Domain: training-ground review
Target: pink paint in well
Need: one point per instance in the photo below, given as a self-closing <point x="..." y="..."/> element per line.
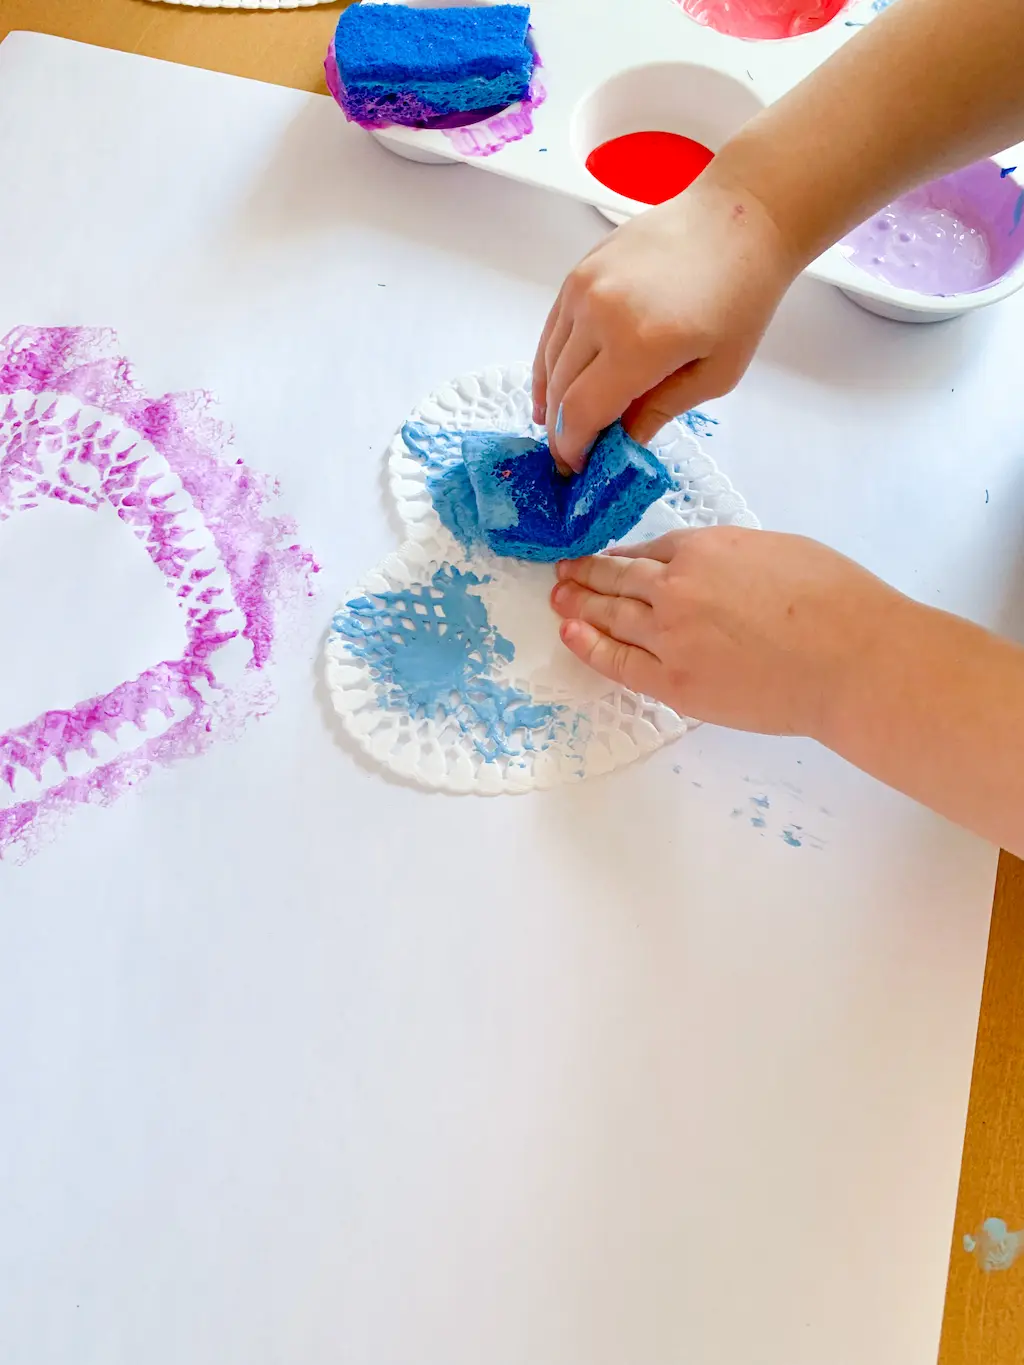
<point x="763" y="19"/>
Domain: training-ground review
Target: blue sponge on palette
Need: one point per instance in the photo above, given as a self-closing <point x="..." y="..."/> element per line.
<point x="508" y="495"/>
<point x="399" y="64"/>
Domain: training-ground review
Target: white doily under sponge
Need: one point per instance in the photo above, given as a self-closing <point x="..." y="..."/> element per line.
<point x="446" y="666"/>
<point x="244" y="4"/>
<point x="499" y="399"/>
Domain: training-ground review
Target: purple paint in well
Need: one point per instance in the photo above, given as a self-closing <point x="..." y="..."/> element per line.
<point x="954" y="235"/>
<point x="75" y="427"/>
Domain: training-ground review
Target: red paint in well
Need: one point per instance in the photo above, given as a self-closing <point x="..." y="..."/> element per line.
<point x="763" y="19"/>
<point x="648" y="167"/>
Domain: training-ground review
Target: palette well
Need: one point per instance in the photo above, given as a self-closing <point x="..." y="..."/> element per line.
<point x="609" y="71"/>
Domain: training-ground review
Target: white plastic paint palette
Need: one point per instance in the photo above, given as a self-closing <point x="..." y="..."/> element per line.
<point x="611" y="67"/>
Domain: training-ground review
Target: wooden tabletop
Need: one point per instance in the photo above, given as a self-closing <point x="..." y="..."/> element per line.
<point x="984" y="1321"/>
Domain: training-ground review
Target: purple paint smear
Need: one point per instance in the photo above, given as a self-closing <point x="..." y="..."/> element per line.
<point x="478" y="132"/>
<point x="75" y="427"/>
<point x="484" y="139"/>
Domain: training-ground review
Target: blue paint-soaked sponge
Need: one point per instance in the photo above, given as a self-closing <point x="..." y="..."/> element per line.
<point x="399" y="64"/>
<point x="507" y="494"/>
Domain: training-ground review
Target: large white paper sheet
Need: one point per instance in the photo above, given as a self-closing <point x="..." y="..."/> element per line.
<point x="297" y="1064"/>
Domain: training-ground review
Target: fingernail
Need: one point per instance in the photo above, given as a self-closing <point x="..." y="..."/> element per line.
<point x="558" y="421"/>
<point x="569" y="630"/>
<point x="579" y="462"/>
<point x="560" y="593"/>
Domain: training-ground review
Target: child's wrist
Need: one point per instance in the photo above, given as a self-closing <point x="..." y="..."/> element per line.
<point x="877" y="680"/>
<point x="751" y="165"/>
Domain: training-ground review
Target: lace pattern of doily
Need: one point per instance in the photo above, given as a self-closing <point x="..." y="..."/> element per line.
<point x="498" y="399"/>
<point x="244" y="4"/>
<point x="538" y="723"/>
<point x="502" y="707"/>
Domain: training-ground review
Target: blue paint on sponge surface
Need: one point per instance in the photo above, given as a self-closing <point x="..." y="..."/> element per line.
<point x="401" y="64"/>
<point x="506" y="493"/>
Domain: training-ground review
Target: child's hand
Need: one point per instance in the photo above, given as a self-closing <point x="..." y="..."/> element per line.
<point x="665" y="313"/>
<point x="748" y="629"/>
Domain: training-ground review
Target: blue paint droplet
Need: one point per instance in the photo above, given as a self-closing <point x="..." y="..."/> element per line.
<point x="1018" y="209"/>
<point x="1007" y="170"/>
<point x="791" y="839"/>
<point x="761" y="801"/>
<point x="994" y="1246"/>
<point x="986" y="497"/>
<point x="758" y="821"/>
<point x="700" y="423"/>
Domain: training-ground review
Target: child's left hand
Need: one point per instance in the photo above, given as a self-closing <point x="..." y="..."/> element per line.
<point x="749" y="629"/>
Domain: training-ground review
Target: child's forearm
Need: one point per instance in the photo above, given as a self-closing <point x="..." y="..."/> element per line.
<point x="936" y="709"/>
<point x="928" y="86"/>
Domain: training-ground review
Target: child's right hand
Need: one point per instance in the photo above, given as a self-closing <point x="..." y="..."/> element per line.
<point x="664" y="314"/>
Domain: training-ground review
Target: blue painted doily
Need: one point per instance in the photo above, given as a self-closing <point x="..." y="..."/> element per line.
<point x="446" y="666"/>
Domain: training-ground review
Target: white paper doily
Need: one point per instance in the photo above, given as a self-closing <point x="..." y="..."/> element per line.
<point x="244" y="4"/>
<point x="523" y="713"/>
<point x="498" y="399"/>
<point x="534" y="720"/>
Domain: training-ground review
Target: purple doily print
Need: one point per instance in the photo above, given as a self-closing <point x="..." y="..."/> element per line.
<point x="76" y="427"/>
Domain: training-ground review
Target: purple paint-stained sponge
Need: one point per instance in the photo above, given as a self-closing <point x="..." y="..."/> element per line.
<point x="398" y="64"/>
<point x="508" y="494"/>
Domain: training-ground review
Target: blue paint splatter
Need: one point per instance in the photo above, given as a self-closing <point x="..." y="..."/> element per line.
<point x="761" y="802"/>
<point x="878" y="6"/>
<point x="1018" y="209"/>
<point x="1006" y="170"/>
<point x="792" y="838"/>
<point x="994" y="1246"/>
<point x="700" y="423"/>
<point x="432" y="649"/>
<point x="986" y="497"/>
<point x="758" y="821"/>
